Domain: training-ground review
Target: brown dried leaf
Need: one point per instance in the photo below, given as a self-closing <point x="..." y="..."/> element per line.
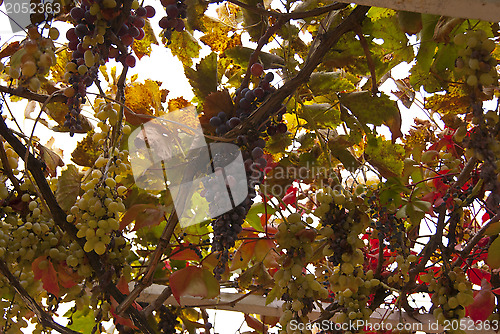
<point x="215" y="103"/>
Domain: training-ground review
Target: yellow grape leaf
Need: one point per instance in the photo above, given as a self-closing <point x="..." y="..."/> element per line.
<point x="58" y="70"/>
<point x="144" y="98"/>
<point x="178" y="103"/>
<point x="184" y="46"/>
<point x="143" y="47"/>
<point x="86" y="152"/>
<point x="217" y="37"/>
<point x="455" y="101"/>
<point x="68" y="187"/>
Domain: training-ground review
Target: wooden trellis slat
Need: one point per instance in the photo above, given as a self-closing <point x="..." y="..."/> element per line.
<point x="487" y="10"/>
<point x="255" y="304"/>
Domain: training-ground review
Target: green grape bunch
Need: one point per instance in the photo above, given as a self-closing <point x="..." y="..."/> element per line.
<point x="475" y="61"/>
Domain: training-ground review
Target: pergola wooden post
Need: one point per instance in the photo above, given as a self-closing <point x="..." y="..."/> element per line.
<point x="486" y="10"/>
<point x="254" y="304"/>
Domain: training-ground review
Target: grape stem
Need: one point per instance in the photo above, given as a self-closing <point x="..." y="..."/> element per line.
<point x="44" y="318"/>
<point x="255" y="54"/>
<point x="369" y="59"/>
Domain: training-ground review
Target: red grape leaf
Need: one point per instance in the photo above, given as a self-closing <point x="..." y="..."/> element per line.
<point x="290" y="197"/>
<point x="254" y="323"/>
<point x="476" y="275"/>
<point x="48" y="275"/>
<point x="484" y="303"/>
<point x="243" y="254"/>
<point x="143" y="215"/>
<point x="67" y="277"/>
<point x="122" y="285"/>
<point x="264" y="251"/>
<point x="194" y="281"/>
<point x="187" y="254"/>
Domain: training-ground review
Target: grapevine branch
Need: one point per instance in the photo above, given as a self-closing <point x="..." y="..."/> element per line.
<point x="324" y="42"/>
<point x="27" y="94"/>
<point x="434" y="241"/>
<point x="36" y="169"/>
<point x="44" y="318"/>
<point x="167" y="292"/>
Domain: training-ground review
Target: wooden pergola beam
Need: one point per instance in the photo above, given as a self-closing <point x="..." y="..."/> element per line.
<point x="255" y="304"/>
<point x="486" y="10"/>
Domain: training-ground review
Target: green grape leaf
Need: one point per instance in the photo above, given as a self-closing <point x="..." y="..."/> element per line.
<point x="324" y="83"/>
<point x="385" y="156"/>
<point x="253" y="22"/>
<point x="253" y="218"/>
<point x="371" y="109"/>
<point x="68" y="187"/>
<point x="241" y="54"/>
<point x="319" y="115"/>
<point x="143" y="47"/>
<point x="195" y="12"/>
<point x="185" y="47"/>
<point x="273" y="294"/>
<point x="82" y="320"/>
<point x="203" y="79"/>
<point x="394" y="49"/>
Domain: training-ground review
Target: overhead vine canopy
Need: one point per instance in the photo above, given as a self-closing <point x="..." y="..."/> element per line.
<point x="288" y="175"/>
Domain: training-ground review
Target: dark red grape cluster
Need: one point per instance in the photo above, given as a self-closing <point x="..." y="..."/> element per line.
<point x="176" y="11"/>
<point x="168" y="320"/>
<point x="89" y="40"/>
<point x="227" y="226"/>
